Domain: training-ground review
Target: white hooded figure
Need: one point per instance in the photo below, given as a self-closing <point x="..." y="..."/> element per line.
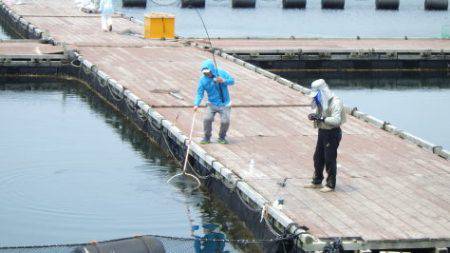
<point x="329" y="116"/>
<point x="328" y="106"/>
<point x="107" y="10"/>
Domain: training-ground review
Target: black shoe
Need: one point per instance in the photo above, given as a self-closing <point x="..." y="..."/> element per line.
<point x="110" y="28"/>
<point x="205" y="141"/>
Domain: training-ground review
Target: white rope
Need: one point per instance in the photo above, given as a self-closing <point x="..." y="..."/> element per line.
<point x="197" y="174"/>
<point x="238" y="192"/>
<point x="131" y="107"/>
<point x="114" y="96"/>
<point x="265" y="216"/>
<point x="74" y="65"/>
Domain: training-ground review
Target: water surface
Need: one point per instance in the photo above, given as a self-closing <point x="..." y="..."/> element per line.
<point x="73" y="170"/>
<point x="6" y="33"/>
<point x="269" y="19"/>
<point x="413" y="102"/>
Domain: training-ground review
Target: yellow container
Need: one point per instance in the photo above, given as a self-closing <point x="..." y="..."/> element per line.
<point x="159" y="26"/>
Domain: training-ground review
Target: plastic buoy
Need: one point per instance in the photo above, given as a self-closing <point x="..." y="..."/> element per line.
<point x="300" y="4"/>
<point x="436" y="5"/>
<point x="142" y="244"/>
<point x="192" y="3"/>
<point x="387" y="4"/>
<point x="243" y="3"/>
<point x="134" y="3"/>
<point x="333" y="4"/>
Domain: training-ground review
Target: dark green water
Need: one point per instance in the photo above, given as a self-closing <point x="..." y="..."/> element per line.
<point x="5" y="33"/>
<point x="73" y="170"/>
<point x="417" y="103"/>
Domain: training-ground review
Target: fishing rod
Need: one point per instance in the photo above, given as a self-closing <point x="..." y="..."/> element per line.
<point x="184" y="172"/>
<point x="207" y="35"/>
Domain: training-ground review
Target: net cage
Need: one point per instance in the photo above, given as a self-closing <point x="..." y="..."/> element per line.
<point x="163" y="244"/>
<point x="445" y="32"/>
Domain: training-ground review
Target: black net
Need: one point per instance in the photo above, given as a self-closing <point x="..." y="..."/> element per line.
<point x="209" y="243"/>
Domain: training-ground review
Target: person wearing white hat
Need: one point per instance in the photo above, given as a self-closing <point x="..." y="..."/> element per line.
<point x="328" y="118"/>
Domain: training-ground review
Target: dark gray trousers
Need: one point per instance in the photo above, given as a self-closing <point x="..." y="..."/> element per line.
<point x="211" y="111"/>
<point x="325" y="156"/>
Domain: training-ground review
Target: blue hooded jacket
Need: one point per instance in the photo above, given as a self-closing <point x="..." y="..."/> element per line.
<point x="217" y="93"/>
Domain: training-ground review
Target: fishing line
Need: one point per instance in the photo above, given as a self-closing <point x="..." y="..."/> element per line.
<point x="207" y="35"/>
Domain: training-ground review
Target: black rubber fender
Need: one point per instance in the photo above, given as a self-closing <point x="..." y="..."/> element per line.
<point x="243" y="3"/>
<point x="300" y="4"/>
<point x="387" y="4"/>
<point x="333" y="4"/>
<point x="436" y="5"/>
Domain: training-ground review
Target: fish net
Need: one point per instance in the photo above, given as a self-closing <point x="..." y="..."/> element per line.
<point x="445" y="32"/>
<point x="206" y="244"/>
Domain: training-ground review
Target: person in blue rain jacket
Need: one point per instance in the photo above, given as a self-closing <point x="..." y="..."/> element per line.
<point x="215" y="82"/>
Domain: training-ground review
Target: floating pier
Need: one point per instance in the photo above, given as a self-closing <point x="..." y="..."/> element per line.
<point x="392" y="191"/>
<point x="348" y="55"/>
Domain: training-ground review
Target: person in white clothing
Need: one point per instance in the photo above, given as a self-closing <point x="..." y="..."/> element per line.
<point x="107" y="10"/>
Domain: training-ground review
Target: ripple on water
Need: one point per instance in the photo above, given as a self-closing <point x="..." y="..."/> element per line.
<point x="71" y="171"/>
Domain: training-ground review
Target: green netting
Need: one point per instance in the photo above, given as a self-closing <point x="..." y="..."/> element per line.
<point x="445" y="32"/>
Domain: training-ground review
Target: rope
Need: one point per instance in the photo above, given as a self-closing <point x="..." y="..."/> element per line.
<point x="265" y="217"/>
<point x="246" y="204"/>
<point x="231" y="187"/>
<point x="74" y="65"/>
<point x="131" y="107"/>
<point x="113" y="95"/>
<point x="153" y="126"/>
<point x="192" y="168"/>
<point x="168" y="147"/>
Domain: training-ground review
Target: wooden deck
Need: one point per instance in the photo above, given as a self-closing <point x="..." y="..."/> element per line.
<point x="388" y="189"/>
